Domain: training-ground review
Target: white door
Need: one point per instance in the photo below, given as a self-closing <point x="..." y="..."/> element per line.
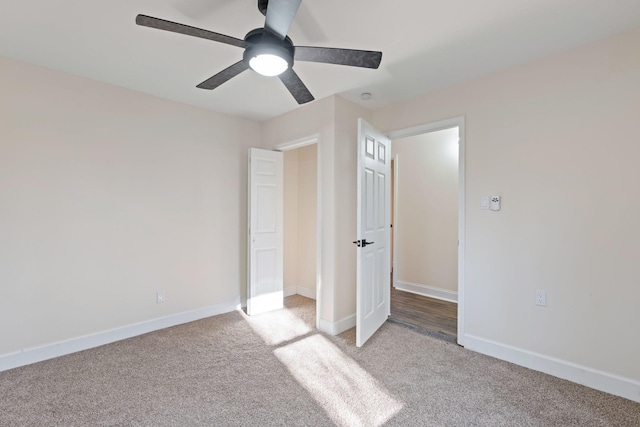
<point x="373" y="225"/>
<point x="265" y="246"/>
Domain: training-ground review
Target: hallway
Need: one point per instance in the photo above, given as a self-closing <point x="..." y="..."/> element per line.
<point x="427" y="313"/>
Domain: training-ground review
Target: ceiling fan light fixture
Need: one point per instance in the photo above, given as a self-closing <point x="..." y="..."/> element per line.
<point x="267" y="55"/>
<point x="268" y="64"/>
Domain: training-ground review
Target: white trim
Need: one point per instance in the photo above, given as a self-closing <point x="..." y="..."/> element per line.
<point x="335" y="328"/>
<point x="306" y="292"/>
<point x="61" y="348"/>
<point x="427" y="291"/>
<point x="395" y="214"/>
<point x="299" y="290"/>
<point x="427" y="128"/>
<point x="458" y="122"/>
<point x="462" y="239"/>
<point x="318" y="231"/>
<point x="297" y="143"/>
<point x="599" y="380"/>
<point x="292" y="145"/>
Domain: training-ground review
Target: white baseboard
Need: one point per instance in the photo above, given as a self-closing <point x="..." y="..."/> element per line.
<point x="335" y="328"/>
<point x="427" y="291"/>
<point x="299" y="290"/>
<point x="306" y="292"/>
<point x="290" y="290"/>
<point x="38" y="354"/>
<point x="599" y="380"/>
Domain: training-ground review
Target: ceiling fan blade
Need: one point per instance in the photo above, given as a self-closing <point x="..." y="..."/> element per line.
<point x="223" y="76"/>
<point x="280" y="14"/>
<point x="174" y="27"/>
<point x="296" y="87"/>
<point x="329" y="55"/>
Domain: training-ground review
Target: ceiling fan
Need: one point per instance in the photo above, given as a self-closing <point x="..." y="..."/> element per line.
<point x="269" y="51"/>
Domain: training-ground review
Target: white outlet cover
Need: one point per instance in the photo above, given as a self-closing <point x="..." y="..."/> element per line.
<point x="541" y="298"/>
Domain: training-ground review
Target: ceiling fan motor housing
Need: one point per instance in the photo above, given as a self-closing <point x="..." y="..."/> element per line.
<point x="262" y="42"/>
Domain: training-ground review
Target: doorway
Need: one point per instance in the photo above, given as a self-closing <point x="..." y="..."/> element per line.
<point x="428" y="220"/>
<point x="300" y="221"/>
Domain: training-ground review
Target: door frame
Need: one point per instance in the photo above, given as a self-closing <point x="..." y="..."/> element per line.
<point x="459" y="122"/>
<point x="292" y="145"/>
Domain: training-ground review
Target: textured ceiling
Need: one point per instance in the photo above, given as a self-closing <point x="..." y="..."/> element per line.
<point x="426" y="44"/>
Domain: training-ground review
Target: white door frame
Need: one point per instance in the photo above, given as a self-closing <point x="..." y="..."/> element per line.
<point x="292" y="145"/>
<point x="432" y="127"/>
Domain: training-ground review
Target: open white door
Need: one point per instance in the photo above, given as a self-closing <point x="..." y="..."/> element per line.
<point x="265" y="246"/>
<point x="373" y="225"/>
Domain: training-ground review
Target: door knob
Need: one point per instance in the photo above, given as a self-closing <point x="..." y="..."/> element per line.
<point x="362" y="243"/>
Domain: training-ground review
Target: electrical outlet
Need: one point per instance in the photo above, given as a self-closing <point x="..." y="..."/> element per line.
<point x="159" y="297"/>
<point x="541" y="298"/>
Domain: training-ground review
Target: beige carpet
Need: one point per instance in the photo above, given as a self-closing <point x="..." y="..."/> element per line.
<point x="275" y="369"/>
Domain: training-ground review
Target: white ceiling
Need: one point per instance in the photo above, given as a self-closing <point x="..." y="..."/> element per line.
<point x="426" y="44"/>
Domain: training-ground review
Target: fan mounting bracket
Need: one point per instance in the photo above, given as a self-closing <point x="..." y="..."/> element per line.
<point x="262" y="6"/>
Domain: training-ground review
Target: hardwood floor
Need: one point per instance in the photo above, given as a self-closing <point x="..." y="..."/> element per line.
<point x="428" y="313"/>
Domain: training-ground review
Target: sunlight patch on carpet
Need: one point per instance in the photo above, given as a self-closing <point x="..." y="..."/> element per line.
<point x="349" y="394"/>
<point x="277" y="327"/>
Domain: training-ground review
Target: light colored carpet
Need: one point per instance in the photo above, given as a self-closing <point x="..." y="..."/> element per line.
<point x="277" y="370"/>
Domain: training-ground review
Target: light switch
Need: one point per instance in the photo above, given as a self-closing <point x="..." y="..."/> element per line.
<point x="495" y="203"/>
<point x="484" y="202"/>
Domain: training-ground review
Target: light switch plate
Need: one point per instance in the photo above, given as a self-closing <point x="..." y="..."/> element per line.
<point x="484" y="202"/>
